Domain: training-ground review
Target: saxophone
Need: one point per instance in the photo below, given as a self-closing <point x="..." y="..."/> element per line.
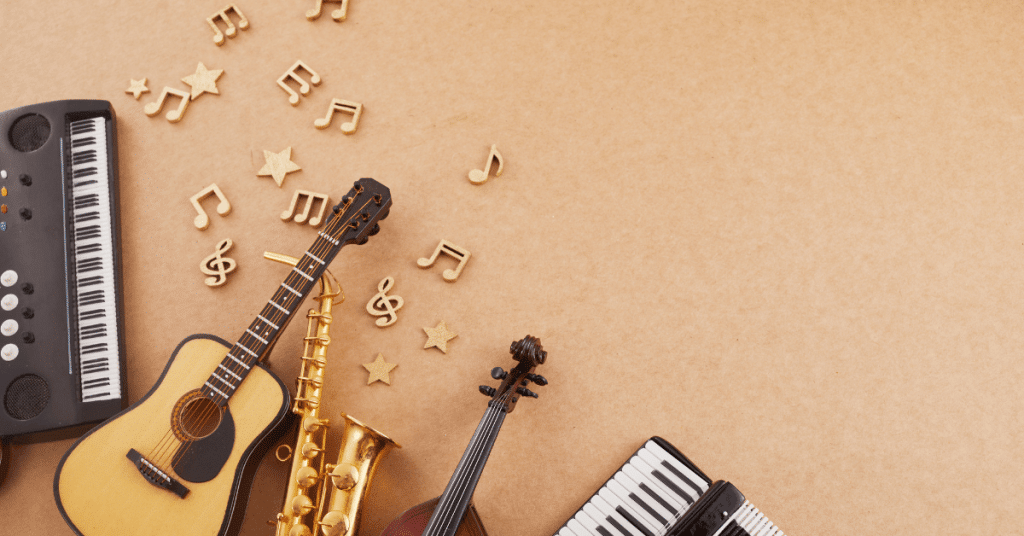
<point x="319" y="494"/>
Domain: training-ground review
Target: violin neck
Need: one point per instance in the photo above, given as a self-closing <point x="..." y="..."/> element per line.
<point x="454" y="502"/>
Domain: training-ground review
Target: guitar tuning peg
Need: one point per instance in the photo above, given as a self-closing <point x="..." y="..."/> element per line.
<point x="488" y="390"/>
<point x="498" y="373"/>
<point x="362" y="240"/>
<point x="375" y="229"/>
<point x="537" y="379"/>
<point x="526" y="392"/>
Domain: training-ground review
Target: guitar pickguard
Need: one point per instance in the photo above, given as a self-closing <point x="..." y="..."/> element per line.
<point x="203" y="459"/>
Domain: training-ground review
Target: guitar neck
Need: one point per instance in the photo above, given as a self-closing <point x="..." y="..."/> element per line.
<point x="268" y="325"/>
<point x="454" y="502"/>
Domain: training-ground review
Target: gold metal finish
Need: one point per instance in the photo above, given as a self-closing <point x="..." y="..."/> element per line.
<point x="317" y="486"/>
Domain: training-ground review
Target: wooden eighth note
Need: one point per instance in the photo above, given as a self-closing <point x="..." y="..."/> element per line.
<point x="218" y="37"/>
<point x="338" y="105"/>
<point x="446" y="247"/>
<point x="478" y="176"/>
<point x="293" y="73"/>
<point x="202" y="221"/>
<point x="302" y="216"/>
<point x="173" y="116"/>
<point x="338" y="14"/>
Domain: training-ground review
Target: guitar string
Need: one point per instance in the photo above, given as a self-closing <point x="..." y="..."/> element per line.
<point x="462" y="482"/>
<point x="168" y="441"/>
<point x="444" y="507"/>
<point x="244" y="341"/>
<point x="284" y="298"/>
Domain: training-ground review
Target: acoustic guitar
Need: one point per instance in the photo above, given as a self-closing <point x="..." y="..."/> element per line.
<point x="180" y="460"/>
<point x="452" y="514"/>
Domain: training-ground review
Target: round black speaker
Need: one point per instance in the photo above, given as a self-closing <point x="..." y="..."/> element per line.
<point x="26" y="397"/>
<point x="29" y="132"/>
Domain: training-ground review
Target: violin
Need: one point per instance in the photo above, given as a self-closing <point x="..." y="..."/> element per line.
<point x="452" y="514"/>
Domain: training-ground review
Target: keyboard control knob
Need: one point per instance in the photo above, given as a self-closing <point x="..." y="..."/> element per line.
<point x="9" y="302"/>
<point x="28" y="312"/>
<point x="26" y="214"/>
<point x="9" y="352"/>
<point x="8" y="278"/>
<point x="9" y="327"/>
<point x="25" y="179"/>
<point x="28" y="337"/>
<point x="27" y="288"/>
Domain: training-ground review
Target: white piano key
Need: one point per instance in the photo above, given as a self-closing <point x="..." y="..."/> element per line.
<point x="586" y="520"/>
<point x="670" y="479"/>
<point x="578" y="528"/>
<point x="597" y="520"/>
<point x="642" y="473"/>
<point x="622" y="493"/>
<point x="610" y="514"/>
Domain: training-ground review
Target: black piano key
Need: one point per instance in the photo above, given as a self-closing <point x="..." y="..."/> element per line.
<point x="89" y="248"/>
<point x="96" y="382"/>
<point x="648" y="508"/>
<point x="95" y="395"/>
<point x="91" y="280"/>
<point x="658" y="498"/>
<point x="611" y="520"/>
<point x="603" y="531"/>
<point x="679" y="474"/>
<point x="92" y="315"/>
<point x="83" y="172"/>
<point x="93" y="348"/>
<point x="672" y="485"/>
<point x="634" y="521"/>
<point x="90" y="265"/>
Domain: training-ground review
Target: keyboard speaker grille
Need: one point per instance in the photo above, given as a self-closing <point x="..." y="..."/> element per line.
<point x="26" y="397"/>
<point x="29" y="132"/>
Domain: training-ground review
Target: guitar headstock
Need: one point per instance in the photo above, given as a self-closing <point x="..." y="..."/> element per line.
<point x="529" y="353"/>
<point x="356" y="217"/>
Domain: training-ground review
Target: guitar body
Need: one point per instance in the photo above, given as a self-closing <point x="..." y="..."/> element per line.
<point x="99" y="491"/>
<point x="413" y="521"/>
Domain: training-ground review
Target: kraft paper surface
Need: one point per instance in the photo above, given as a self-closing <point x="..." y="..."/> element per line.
<point x="788" y="237"/>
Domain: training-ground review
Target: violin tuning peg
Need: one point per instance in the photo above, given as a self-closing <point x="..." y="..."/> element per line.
<point x="487" y="390"/>
<point x="526" y="392"/>
<point x="537" y="379"/>
<point x="498" y="373"/>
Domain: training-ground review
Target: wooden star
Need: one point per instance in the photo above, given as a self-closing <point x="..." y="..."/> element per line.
<point x="438" y="337"/>
<point x="379" y="370"/>
<point x="137" y="88"/>
<point x="278" y="165"/>
<point x="203" y="81"/>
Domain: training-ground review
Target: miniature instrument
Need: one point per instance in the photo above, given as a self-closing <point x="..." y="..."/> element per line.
<point x="62" y="321"/>
<point x="180" y="460"/>
<point x="452" y="513"/>
<point x="308" y="494"/>
<point x="659" y="492"/>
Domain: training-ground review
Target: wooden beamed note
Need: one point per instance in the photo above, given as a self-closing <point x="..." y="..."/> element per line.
<point x="446" y="247"/>
<point x="175" y="115"/>
<point x="338" y="14"/>
<point x="344" y="106"/>
<point x="293" y="74"/>
<point x="304" y="215"/>
<point x="223" y="15"/>
<point x="202" y="221"/>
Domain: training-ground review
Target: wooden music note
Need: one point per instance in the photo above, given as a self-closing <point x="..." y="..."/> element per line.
<point x="478" y="176"/>
<point x="301" y="217"/>
<point x="293" y="73"/>
<point x="218" y="37"/>
<point x="218" y="266"/>
<point x="447" y="248"/>
<point x="345" y="106"/>
<point x="338" y="14"/>
<point x="383" y="305"/>
<point x="202" y="221"/>
<point x="173" y="116"/>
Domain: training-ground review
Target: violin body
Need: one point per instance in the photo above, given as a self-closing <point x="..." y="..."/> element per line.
<point x="413" y="521"/>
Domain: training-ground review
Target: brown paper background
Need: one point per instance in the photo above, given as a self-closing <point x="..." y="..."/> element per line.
<point x="785" y="236"/>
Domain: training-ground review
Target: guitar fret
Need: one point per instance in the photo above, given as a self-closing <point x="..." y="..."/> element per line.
<point x="286" y="311"/>
<point x="248" y="351"/>
<point x="314" y="257"/>
<point x="250" y="332"/>
<point x="328" y="238"/>
<point x="303" y="274"/>
<point x="267" y="322"/>
<point x="240" y="362"/>
<point x="232" y="374"/>
<point x="293" y="291"/>
<point x="222" y="380"/>
<point x="218" y="391"/>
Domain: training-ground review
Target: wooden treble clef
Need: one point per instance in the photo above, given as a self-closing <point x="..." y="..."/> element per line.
<point x="383" y="305"/>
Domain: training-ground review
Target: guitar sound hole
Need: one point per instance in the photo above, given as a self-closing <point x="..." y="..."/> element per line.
<point x="195" y="417"/>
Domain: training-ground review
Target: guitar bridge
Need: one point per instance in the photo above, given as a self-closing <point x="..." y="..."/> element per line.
<point x="154" y="475"/>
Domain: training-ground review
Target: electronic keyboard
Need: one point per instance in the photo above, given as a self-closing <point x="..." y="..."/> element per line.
<point x="659" y="492"/>
<point x="61" y="312"/>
